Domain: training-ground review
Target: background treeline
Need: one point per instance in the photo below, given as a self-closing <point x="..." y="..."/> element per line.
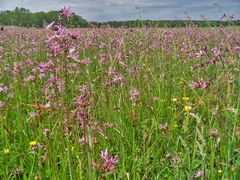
<point x="167" y="23"/>
<point x="24" y="18"/>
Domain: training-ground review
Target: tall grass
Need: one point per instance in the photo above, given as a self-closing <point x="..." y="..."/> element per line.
<point x="156" y="133"/>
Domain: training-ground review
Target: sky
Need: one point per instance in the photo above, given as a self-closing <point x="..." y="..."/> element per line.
<point x="108" y="10"/>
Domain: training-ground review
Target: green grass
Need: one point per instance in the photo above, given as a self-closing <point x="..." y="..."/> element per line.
<point x="142" y="148"/>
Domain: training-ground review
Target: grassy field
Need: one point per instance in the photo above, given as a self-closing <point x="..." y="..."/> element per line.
<point x="119" y="103"/>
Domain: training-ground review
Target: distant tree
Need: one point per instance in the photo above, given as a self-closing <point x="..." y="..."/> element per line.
<point x="23" y="17"/>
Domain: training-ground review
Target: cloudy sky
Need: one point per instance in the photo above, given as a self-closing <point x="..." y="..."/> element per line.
<point x="106" y="10"/>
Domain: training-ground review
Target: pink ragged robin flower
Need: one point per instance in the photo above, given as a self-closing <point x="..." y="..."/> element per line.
<point x="168" y="155"/>
<point x="164" y="128"/>
<point x="66" y="12"/>
<point x="200" y="83"/>
<point x="230" y="17"/>
<point x="200" y="54"/>
<point x="214" y="133"/>
<point x="134" y="93"/>
<point x="216" y="53"/>
<point x="2" y="103"/>
<point x="199" y="174"/>
<point x="108" y="162"/>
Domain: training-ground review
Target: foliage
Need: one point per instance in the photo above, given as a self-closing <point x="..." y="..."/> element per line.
<point x="116" y="103"/>
<point x="24" y="18"/>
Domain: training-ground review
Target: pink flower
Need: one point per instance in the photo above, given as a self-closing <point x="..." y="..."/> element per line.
<point x="2" y="103"/>
<point x="82" y="140"/>
<point x="199" y="173"/>
<point x="120" y="56"/>
<point x="168" y="155"/>
<point x="104" y="155"/>
<point x="29" y="78"/>
<point x="56" y="48"/>
<point x="66" y="12"/>
<point x="237" y="48"/>
<point x="216" y="53"/>
<point x="47" y="105"/>
<point x="108" y="162"/>
<point x="214" y="133"/>
<point x="200" y="54"/>
<point x="32" y="114"/>
<point x="230" y="17"/>
<point x="200" y="83"/>
<point x="134" y="93"/>
<point x="85" y="61"/>
<point x="164" y="128"/>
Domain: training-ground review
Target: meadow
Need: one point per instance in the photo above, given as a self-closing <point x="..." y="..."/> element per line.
<point x="124" y="103"/>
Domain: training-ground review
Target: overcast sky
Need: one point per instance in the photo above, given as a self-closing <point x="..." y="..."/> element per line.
<point x="106" y="10"/>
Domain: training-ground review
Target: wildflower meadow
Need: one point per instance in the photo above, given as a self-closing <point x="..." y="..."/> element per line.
<point x="119" y="103"/>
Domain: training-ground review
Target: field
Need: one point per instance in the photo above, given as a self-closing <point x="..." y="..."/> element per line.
<point x="120" y="103"/>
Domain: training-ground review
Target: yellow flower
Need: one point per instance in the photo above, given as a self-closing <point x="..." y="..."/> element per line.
<point x="163" y="100"/>
<point x="185" y="98"/>
<point x="6" y="151"/>
<point x="220" y="171"/>
<point x="187" y="108"/>
<point x="33" y="143"/>
<point x="174" y="99"/>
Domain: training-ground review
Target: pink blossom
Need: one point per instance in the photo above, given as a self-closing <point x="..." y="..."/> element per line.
<point x="134" y="93"/>
<point x="2" y="103"/>
<point x="214" y="133"/>
<point x="168" y="155"/>
<point x="216" y="53"/>
<point x="200" y="83"/>
<point x="3" y="88"/>
<point x="85" y="61"/>
<point x="56" y="48"/>
<point x="199" y="174"/>
<point x="29" y="78"/>
<point x="66" y="12"/>
<point x="109" y="162"/>
<point x="200" y="54"/>
<point x="82" y="140"/>
<point x="230" y="17"/>
<point x="120" y="56"/>
<point x="47" y="105"/>
<point x="32" y="114"/>
<point x="164" y="128"/>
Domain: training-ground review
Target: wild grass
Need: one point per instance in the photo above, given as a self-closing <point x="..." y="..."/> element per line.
<point x="150" y="130"/>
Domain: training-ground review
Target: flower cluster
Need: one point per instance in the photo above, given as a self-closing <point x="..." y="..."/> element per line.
<point x="108" y="162"/>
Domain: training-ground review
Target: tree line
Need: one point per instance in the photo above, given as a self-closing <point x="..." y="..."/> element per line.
<point x="168" y="23"/>
<point x="24" y="18"/>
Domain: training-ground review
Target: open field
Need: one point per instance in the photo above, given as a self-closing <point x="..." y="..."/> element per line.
<point x="119" y="103"/>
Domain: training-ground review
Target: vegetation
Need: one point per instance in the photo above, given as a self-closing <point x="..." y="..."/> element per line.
<point x="169" y="23"/>
<point x="117" y="103"/>
<point x="24" y="18"/>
